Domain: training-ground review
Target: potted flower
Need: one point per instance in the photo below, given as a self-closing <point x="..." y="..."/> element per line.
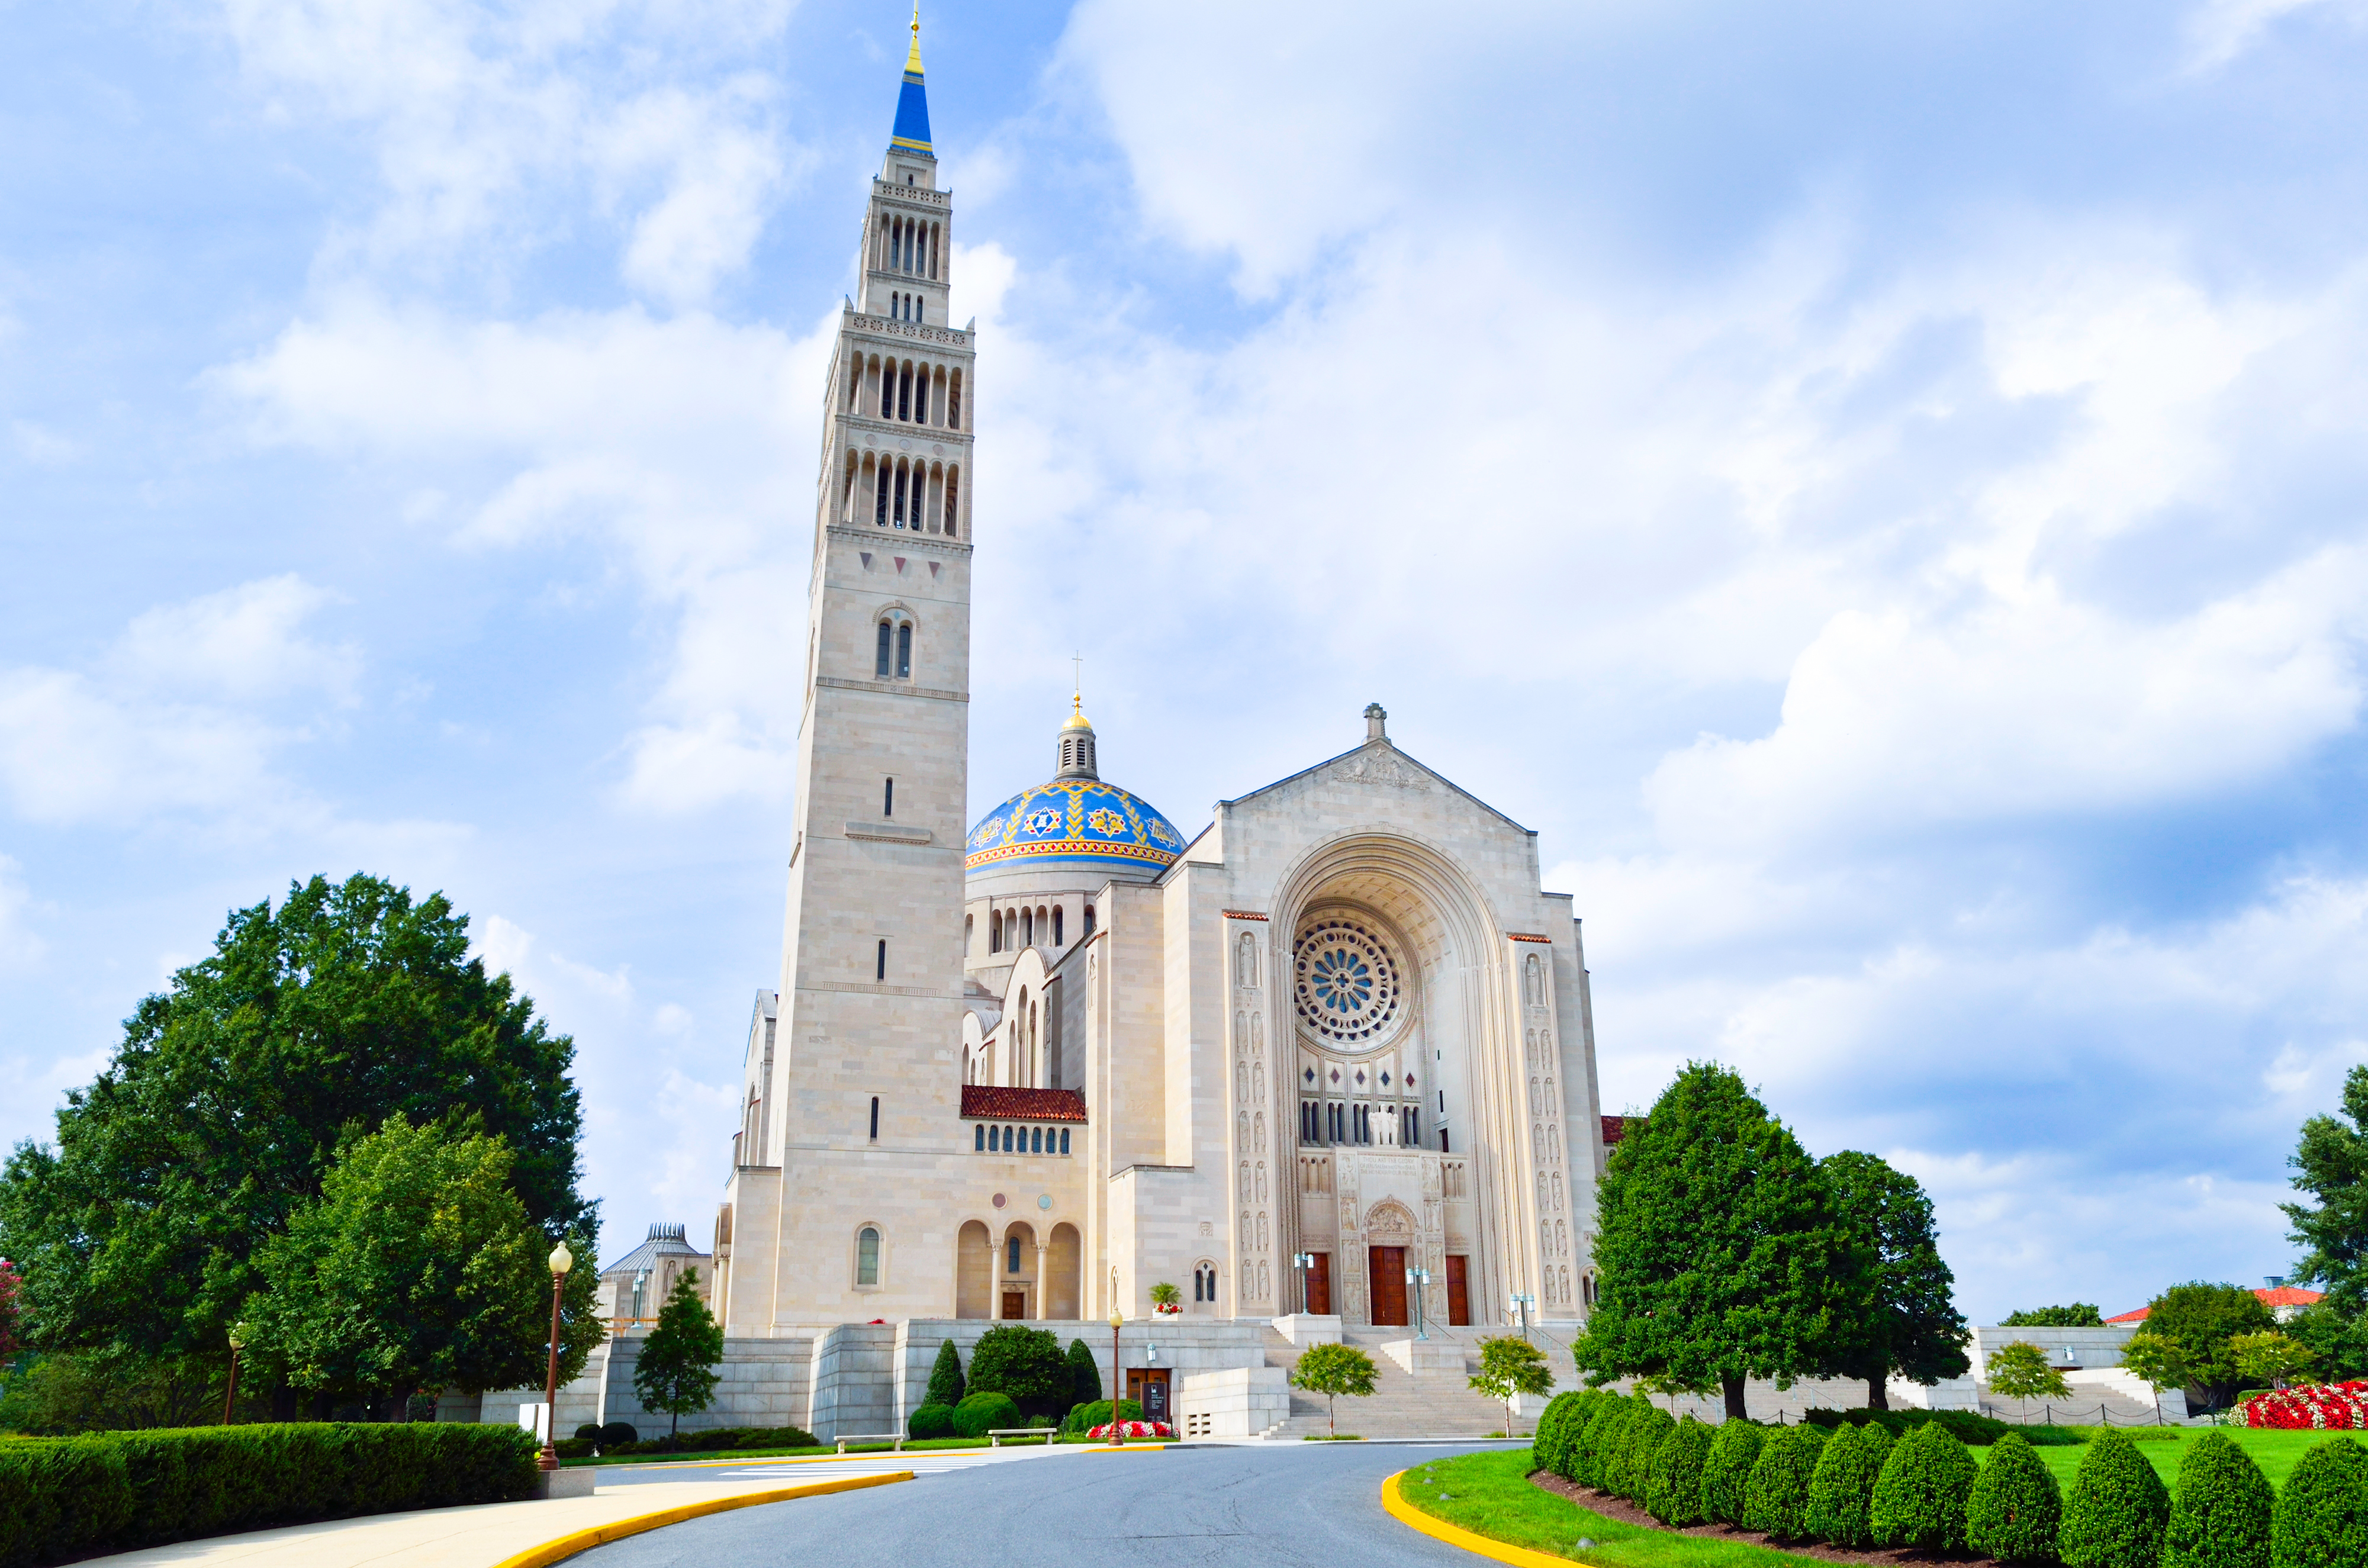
<point x="1166" y="1301"/>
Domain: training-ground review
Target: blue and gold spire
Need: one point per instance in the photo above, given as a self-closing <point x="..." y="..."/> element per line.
<point x="912" y="132"/>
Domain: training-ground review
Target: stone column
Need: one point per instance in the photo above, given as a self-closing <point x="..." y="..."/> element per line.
<point x="1043" y="1280"/>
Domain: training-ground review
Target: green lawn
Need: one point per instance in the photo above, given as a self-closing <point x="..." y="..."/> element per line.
<point x="2275" y="1452"/>
<point x="1490" y="1494"/>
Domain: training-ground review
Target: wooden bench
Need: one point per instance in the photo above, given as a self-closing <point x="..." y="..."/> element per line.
<point x="895" y="1437"/>
<point x="995" y="1435"/>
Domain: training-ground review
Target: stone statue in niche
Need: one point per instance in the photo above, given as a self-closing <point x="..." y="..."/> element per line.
<point x="1257" y="1082"/>
<point x="1257" y="1034"/>
<point x="1261" y="1181"/>
<point x="1246" y="962"/>
<point x="1246" y="1181"/>
<point x="1241" y="1083"/>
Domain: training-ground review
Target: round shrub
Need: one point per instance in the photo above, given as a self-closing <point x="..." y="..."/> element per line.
<point x="2220" y="1508"/>
<point x="1726" y="1471"/>
<point x="2014" y="1510"/>
<point x="1587" y="1447"/>
<point x="1552" y="1420"/>
<point x="588" y="1433"/>
<point x="980" y="1412"/>
<point x="1776" y="1499"/>
<point x="2322" y="1513"/>
<point x="617" y="1432"/>
<point x="1572" y="1436"/>
<point x="1843" y="1487"/>
<point x="2115" y="1510"/>
<point x="930" y="1421"/>
<point x="1673" y="1476"/>
<point x="1921" y="1492"/>
<point x="1096" y="1412"/>
<point x="1647" y="1424"/>
<point x="1026" y="1364"/>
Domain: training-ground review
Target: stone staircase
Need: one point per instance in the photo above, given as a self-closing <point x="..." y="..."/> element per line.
<point x="1429" y="1404"/>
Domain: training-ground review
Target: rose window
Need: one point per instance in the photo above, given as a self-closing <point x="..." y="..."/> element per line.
<point x="1345" y="984"/>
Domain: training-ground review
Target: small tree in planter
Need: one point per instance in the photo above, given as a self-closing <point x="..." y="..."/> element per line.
<point x="1509" y="1367"/>
<point x="1166" y="1301"/>
<point x="675" y="1370"/>
<point x="1332" y="1371"/>
<point x="2020" y="1371"/>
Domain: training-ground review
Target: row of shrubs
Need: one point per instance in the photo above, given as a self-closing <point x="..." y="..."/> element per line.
<point x="1974" y="1430"/>
<point x="980" y="1414"/>
<point x="620" y="1437"/>
<point x="1857" y="1486"/>
<point x="69" y="1497"/>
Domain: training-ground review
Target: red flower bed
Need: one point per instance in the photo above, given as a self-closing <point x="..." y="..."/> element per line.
<point x="2319" y="1408"/>
<point x="1137" y="1430"/>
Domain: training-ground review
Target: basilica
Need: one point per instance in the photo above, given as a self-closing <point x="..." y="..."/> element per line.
<point x="1325" y="1056"/>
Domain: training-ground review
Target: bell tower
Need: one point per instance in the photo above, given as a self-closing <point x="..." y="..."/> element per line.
<point x="870" y="1002"/>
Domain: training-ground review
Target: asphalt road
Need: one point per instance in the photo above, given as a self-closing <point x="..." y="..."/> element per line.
<point x="1312" y="1504"/>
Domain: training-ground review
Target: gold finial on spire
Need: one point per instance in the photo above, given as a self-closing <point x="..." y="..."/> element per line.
<point x="913" y="59"/>
<point x="1076" y="720"/>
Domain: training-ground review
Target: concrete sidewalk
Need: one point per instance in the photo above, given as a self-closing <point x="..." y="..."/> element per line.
<point x="482" y="1536"/>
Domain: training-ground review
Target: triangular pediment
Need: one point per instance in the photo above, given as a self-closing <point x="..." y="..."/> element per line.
<point x="1381" y="766"/>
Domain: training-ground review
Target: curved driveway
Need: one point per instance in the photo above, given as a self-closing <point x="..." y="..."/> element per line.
<point x="1312" y="1504"/>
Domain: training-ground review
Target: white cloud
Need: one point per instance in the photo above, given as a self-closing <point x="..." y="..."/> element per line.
<point x="244" y="644"/>
<point x="20" y="944"/>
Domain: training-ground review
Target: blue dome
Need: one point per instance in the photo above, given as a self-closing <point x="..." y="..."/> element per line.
<point x="1073" y="819"/>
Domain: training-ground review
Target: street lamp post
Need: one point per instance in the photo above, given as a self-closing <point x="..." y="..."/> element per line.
<point x="1521" y="1306"/>
<point x="1417" y="1279"/>
<point x="561" y="1260"/>
<point x="237" y="1343"/>
<point x="1117" y="1381"/>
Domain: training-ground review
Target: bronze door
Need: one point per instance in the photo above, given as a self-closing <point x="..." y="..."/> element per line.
<point x="1389" y="1286"/>
<point x="1459" y="1289"/>
<point x="1319" y="1284"/>
<point x="1015" y="1303"/>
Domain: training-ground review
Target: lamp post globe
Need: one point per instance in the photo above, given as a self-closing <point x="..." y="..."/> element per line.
<point x="238" y="1337"/>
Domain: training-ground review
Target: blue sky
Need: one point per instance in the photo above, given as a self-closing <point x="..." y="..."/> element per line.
<point x="1880" y="490"/>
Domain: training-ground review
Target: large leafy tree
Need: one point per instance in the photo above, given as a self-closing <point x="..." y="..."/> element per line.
<point x="2331" y="1164"/>
<point x="417" y="1268"/>
<point x="2201" y="1319"/>
<point x="217" y="1118"/>
<point x="675" y="1370"/>
<point x="1910" y="1325"/>
<point x="1026" y="1364"/>
<point x="1721" y="1254"/>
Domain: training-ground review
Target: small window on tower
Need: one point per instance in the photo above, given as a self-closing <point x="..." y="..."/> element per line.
<point x="880" y="665"/>
<point x="875" y="1119"/>
<point x="888" y="797"/>
<point x="1056" y="928"/>
<point x="903" y="652"/>
<point x="867" y="1256"/>
<point x="879" y="969"/>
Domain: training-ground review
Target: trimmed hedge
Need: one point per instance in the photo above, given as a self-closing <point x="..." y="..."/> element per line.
<point x="713" y="1438"/>
<point x="117" y="1492"/>
<point x="1777" y="1499"/>
<point x="930" y="1421"/>
<point x="1841" y="1489"/>
<point x="615" y="1435"/>
<point x="979" y="1412"/>
<point x="2015" y="1507"/>
<point x="1673" y="1476"/>
<point x="2322" y="1513"/>
<point x="1922" y="1492"/>
<point x="1595" y="1440"/>
<point x="2116" y="1509"/>
<point x="2221" y="1508"/>
<point x="1726" y="1472"/>
<point x="1556" y="1425"/>
<point x="1625" y="1462"/>
<point x="1975" y="1431"/>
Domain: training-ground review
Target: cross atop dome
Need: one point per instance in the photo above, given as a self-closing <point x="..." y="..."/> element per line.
<point x="912" y="132"/>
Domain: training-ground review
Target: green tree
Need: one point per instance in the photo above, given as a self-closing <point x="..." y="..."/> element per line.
<point x="1026" y="1364"/>
<point x="2079" y="1315"/>
<point x="2266" y="1355"/>
<point x="2015" y="1508"/>
<point x="675" y="1370"/>
<point x="2338" y="1343"/>
<point x="1719" y="1256"/>
<point x="216" y="1119"/>
<point x="1911" y="1326"/>
<point x="2019" y="1370"/>
<point x="1333" y="1371"/>
<point x="11" y="1287"/>
<point x="2201" y="1319"/>
<point x="2158" y="1360"/>
<point x="946" y="1386"/>
<point x="1086" y="1374"/>
<point x="1511" y="1366"/>
<point x="417" y="1267"/>
<point x="2330" y="1162"/>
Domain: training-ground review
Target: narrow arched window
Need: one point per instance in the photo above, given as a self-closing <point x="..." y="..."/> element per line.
<point x="887" y="389"/>
<point x="875" y="1119"/>
<point x="899" y="485"/>
<point x="880" y="971"/>
<point x="867" y="1256"/>
<point x="905" y="393"/>
<point x="1012" y="1256"/>
<point x="978" y="1139"/>
<point x="953" y="402"/>
<point x="1065" y="1140"/>
<point x="953" y="485"/>
<point x="905" y="653"/>
<point x="1090" y="920"/>
<point x="880" y="665"/>
<point x="1056" y="928"/>
<point x="1026" y="929"/>
<point x="880" y="495"/>
<point x="1035" y="1140"/>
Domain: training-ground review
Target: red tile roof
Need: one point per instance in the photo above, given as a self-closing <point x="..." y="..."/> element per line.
<point x="988" y="1102"/>
<point x="2272" y="1296"/>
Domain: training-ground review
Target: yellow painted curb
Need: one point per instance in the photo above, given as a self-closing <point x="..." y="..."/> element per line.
<point x="568" y="1545"/>
<point x="1145" y="1447"/>
<point x="1438" y="1529"/>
